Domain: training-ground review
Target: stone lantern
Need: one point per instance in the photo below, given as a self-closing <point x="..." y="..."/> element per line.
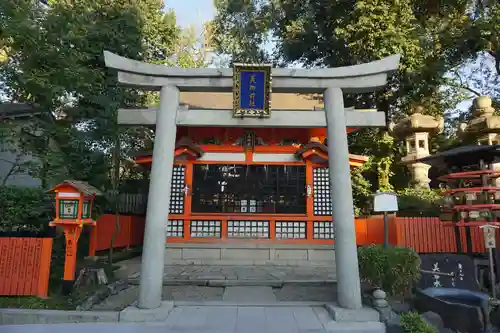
<point x="484" y="127"/>
<point x="415" y="130"/>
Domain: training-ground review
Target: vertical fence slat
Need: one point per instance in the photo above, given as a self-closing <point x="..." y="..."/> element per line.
<point x="426" y="235"/>
<point x="4" y="249"/>
<point x="25" y="266"/>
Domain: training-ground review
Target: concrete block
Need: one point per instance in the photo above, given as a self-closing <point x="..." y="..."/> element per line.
<point x="352" y="315"/>
<point x="321" y="255"/>
<point x="17" y="317"/>
<point x="134" y="314"/>
<point x="26" y="316"/>
<point x="356" y="327"/>
<point x="245" y="254"/>
<point x="200" y="254"/>
<point x="290" y="254"/>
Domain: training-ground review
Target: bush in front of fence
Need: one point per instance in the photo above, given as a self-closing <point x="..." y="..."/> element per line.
<point x="392" y="269"/>
<point x="24" y="209"/>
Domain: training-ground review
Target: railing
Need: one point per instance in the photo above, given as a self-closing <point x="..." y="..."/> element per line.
<point x="128" y="203"/>
<point x="429" y="235"/>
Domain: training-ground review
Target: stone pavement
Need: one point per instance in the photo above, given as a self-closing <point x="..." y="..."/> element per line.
<point x="214" y="274"/>
<point x="221" y="319"/>
<point x="203" y="283"/>
<point x="287" y="293"/>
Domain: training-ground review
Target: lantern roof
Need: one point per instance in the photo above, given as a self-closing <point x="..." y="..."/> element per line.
<point x="81" y="186"/>
<point x="464" y="155"/>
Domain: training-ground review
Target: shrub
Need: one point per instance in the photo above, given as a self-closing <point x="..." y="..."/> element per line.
<point x="393" y="269"/>
<point x="419" y="202"/>
<point x="23" y="209"/>
<point x="412" y="322"/>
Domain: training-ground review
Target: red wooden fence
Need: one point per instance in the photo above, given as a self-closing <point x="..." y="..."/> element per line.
<point x="424" y="234"/>
<point x="427" y="235"/>
<point x="131" y="232"/>
<point x="25" y="266"/>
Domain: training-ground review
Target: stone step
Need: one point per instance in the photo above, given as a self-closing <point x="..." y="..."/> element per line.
<point x="249" y="294"/>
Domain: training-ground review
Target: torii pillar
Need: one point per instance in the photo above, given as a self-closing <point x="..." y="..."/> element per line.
<point x="332" y="82"/>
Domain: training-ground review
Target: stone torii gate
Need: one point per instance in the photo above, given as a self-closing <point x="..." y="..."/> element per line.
<point x="331" y="82"/>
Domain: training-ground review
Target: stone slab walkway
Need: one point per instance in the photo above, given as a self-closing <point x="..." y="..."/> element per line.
<point x="220" y="319"/>
<point x="213" y="275"/>
<point x="249" y="294"/>
<point x="186" y="293"/>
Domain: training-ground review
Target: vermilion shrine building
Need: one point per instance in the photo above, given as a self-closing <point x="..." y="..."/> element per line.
<point x="250" y="195"/>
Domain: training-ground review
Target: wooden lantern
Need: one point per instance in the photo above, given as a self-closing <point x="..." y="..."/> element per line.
<point x="73" y="210"/>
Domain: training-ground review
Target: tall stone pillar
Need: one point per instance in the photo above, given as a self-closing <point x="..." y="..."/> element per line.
<point x="346" y="253"/>
<point x="415" y="130"/>
<point x="152" y="267"/>
<point x="483" y="128"/>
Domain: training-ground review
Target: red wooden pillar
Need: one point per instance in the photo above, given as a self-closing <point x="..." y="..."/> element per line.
<point x="310" y="200"/>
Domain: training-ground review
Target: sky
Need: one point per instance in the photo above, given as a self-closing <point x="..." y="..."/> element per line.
<point x="192" y="12"/>
<point x="195" y="12"/>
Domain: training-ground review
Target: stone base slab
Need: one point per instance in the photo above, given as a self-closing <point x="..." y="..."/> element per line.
<point x="248" y="254"/>
<point x="364" y="314"/>
<point x="134" y="314"/>
<point x="356" y="327"/>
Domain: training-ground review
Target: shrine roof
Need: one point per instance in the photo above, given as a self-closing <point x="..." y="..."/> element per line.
<point x="463" y="155"/>
<point x="324" y="150"/>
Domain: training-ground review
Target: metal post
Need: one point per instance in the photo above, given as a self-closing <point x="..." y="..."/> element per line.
<point x="153" y="253"/>
<point x="346" y="254"/>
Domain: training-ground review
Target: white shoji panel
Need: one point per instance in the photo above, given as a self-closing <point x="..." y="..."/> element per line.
<point x="322" y="202"/>
<point x="248" y="229"/>
<point x="323" y="230"/>
<point x="290" y="230"/>
<point x="177" y="190"/>
<point x="203" y="229"/>
<point x="175" y="228"/>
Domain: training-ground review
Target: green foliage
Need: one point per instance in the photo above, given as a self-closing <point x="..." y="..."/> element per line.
<point x="412" y="322"/>
<point x="393" y="269"/>
<point x="438" y="44"/>
<point x="52" y="59"/>
<point x="361" y="190"/>
<point x="419" y="202"/>
<point x="23" y="209"/>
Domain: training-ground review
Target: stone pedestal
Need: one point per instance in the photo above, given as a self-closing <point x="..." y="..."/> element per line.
<point x="420" y="174"/>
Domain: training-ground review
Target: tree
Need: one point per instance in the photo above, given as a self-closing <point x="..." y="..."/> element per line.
<point x="433" y="37"/>
<point x="54" y="62"/>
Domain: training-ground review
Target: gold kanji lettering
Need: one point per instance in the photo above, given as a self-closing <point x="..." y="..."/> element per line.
<point x="252" y="79"/>
<point x="252" y="100"/>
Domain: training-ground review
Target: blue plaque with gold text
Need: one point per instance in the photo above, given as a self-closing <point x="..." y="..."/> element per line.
<point x="251" y="90"/>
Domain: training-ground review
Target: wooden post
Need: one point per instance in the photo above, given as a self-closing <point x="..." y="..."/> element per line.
<point x="72" y="234"/>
